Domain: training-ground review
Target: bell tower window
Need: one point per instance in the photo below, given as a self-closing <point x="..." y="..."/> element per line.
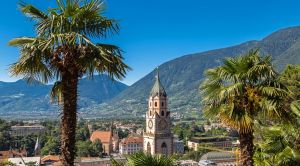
<point x="164" y="149"/>
<point x="148" y="148"/>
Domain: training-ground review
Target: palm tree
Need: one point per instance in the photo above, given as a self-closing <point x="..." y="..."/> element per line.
<point x="277" y="146"/>
<point x="243" y="88"/>
<point x="62" y="51"/>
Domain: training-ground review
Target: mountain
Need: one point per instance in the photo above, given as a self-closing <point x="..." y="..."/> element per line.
<point x="181" y="77"/>
<point x="16" y="97"/>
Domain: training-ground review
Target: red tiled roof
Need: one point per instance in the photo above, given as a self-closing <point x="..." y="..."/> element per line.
<point x="50" y="158"/>
<point x="103" y="136"/>
<point x="132" y="139"/>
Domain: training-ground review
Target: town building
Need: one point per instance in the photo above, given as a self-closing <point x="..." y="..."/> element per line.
<point x="224" y="143"/>
<point x="25" y="160"/>
<point x="100" y="162"/>
<point x="158" y="138"/>
<point x="178" y="146"/>
<point x="221" y="158"/>
<point x="206" y="163"/>
<point x="131" y="144"/>
<point x="187" y="163"/>
<point x="27" y="130"/>
<point x="49" y="160"/>
<point x="12" y="153"/>
<point x="108" y="139"/>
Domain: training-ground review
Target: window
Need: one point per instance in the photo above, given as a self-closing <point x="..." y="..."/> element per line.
<point x="148" y="148"/>
<point x="155" y="104"/>
<point x="162" y="113"/>
<point x="150" y="104"/>
<point x="164" y="149"/>
<point x="162" y="104"/>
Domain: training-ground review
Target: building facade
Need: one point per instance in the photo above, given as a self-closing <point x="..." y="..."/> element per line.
<point x="27" y="130"/>
<point x="131" y="144"/>
<point x="158" y="138"/>
<point x="106" y="139"/>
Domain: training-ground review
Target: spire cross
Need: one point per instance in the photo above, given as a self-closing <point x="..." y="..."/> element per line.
<point x="157" y="73"/>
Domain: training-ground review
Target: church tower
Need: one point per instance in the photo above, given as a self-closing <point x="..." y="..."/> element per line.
<point x="158" y="138"/>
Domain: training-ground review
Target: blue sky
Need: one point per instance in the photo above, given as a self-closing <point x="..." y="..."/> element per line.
<point x="155" y="31"/>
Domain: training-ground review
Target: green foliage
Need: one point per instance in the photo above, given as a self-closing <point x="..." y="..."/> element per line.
<point x="278" y="146"/>
<point x="144" y="159"/>
<point x="89" y="149"/>
<point x="52" y="146"/>
<point x="5" y="138"/>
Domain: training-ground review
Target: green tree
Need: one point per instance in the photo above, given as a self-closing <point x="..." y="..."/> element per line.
<point x="97" y="148"/>
<point x="278" y="146"/>
<point x="62" y="51"/>
<point x="239" y="91"/>
<point x="51" y="147"/>
<point x="5" y="137"/>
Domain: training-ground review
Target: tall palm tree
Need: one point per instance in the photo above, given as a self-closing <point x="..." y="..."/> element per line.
<point x="238" y="91"/>
<point x="62" y="51"/>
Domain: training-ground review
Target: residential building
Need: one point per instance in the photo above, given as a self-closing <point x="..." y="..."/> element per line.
<point x="187" y="163"/>
<point x="27" y="130"/>
<point x="221" y="158"/>
<point x="216" y="142"/>
<point x="25" y="160"/>
<point x="49" y="160"/>
<point x="100" y="162"/>
<point x="158" y="138"/>
<point x="206" y="163"/>
<point x="131" y="144"/>
<point x="12" y="153"/>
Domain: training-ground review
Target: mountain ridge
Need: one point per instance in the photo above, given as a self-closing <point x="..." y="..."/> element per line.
<point x="182" y="76"/>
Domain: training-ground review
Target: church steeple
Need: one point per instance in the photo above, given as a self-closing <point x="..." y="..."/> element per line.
<point x="158" y="89"/>
<point x="158" y="136"/>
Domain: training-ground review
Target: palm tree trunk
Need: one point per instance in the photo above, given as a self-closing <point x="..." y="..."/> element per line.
<point x="69" y="116"/>
<point x="246" y="149"/>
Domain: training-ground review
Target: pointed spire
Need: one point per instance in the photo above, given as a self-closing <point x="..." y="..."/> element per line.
<point x="158" y="89"/>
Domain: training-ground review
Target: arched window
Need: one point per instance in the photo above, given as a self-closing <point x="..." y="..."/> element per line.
<point x="162" y="113"/>
<point x="155" y="104"/>
<point x="148" y="148"/>
<point x="164" y="149"/>
<point x="162" y="104"/>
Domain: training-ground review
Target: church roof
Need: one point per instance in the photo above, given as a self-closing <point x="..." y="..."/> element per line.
<point x="103" y="136"/>
<point x="158" y="89"/>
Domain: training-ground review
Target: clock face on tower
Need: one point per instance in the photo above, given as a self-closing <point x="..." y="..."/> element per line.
<point x="150" y="124"/>
<point x="162" y="124"/>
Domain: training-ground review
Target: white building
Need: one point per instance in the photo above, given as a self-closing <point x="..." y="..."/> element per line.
<point x="131" y="144"/>
<point x="25" y="160"/>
